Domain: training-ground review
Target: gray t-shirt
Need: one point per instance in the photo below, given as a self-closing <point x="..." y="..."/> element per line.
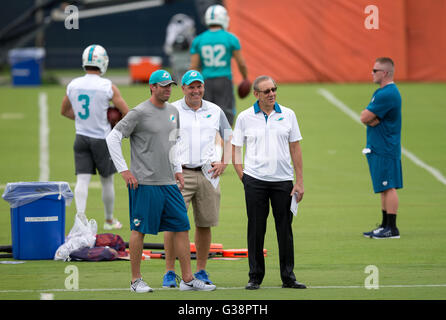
<point x="153" y="132"/>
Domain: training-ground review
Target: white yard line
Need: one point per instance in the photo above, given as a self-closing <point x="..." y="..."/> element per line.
<point x="12" y="116"/>
<point x="226" y="288"/>
<point x="44" y="130"/>
<point x="354" y="116"/>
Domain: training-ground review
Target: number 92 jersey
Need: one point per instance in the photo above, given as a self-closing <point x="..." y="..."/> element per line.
<point x="215" y="49"/>
<point x="89" y="96"/>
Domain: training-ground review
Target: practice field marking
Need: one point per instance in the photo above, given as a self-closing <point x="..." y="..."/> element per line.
<point x="12" y="116"/>
<point x="43" y="138"/>
<point x="226" y="288"/>
<point x="353" y="115"/>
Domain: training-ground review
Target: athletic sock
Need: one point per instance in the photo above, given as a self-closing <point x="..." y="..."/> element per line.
<point x="81" y="192"/>
<point x="384" y="221"/>
<point x="391" y="220"/>
<point x="108" y="196"/>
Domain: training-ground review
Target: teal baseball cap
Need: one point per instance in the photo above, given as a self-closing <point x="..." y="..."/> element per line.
<point x="161" y="77"/>
<point x="191" y="76"/>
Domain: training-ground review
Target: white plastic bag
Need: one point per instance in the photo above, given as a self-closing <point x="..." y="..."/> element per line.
<point x="83" y="234"/>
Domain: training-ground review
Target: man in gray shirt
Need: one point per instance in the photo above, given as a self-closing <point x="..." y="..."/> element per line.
<point x="155" y="200"/>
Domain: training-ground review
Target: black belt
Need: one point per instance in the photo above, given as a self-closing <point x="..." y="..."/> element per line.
<point x="193" y="169"/>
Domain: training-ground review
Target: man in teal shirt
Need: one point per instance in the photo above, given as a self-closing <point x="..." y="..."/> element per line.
<point x="383" y="150"/>
<point x="211" y="52"/>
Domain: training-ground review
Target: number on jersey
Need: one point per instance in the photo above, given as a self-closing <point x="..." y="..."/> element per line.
<point x="213" y="55"/>
<point x="86" y="112"/>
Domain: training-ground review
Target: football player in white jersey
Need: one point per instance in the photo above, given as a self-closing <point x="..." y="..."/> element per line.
<point x="86" y="102"/>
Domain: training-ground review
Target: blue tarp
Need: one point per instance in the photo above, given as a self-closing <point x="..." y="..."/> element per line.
<point x="21" y="193"/>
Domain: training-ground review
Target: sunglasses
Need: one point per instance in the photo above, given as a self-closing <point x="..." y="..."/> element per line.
<point x="376" y="70"/>
<point x="267" y="91"/>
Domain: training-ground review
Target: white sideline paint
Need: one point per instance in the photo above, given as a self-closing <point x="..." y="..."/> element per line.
<point x="43" y="138"/>
<point x="12" y="116"/>
<point x="353" y="115"/>
<point x="227" y="288"/>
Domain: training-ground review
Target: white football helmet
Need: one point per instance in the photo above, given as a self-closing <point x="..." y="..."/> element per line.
<point x="95" y="56"/>
<point x="217" y="14"/>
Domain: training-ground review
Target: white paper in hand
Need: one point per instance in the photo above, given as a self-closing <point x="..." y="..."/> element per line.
<point x="294" y="204"/>
<point x="205" y="169"/>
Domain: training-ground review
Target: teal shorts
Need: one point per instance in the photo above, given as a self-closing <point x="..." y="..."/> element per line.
<point x="156" y="209"/>
<point x="386" y="172"/>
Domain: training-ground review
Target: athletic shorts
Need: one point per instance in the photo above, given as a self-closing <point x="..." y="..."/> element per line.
<point x="155" y="209"/>
<point x="386" y="172"/>
<point x="91" y="154"/>
<point x="221" y="92"/>
<point x="204" y="197"/>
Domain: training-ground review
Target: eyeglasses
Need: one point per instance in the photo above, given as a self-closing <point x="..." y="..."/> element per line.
<point x="267" y="91"/>
<point x="376" y="70"/>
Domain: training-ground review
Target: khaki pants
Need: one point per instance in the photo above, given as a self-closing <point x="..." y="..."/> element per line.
<point x="204" y="197"/>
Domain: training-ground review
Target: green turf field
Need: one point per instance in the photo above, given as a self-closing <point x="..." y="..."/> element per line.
<point x="330" y="252"/>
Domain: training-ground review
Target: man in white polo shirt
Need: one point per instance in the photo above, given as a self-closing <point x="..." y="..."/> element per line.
<point x="271" y="134"/>
<point x="200" y="121"/>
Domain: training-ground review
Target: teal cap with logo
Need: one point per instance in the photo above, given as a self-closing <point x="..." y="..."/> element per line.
<point x="191" y="76"/>
<point x="161" y="77"/>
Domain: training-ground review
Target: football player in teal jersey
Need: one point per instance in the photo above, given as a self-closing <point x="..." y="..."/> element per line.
<point x="383" y="151"/>
<point x="211" y="52"/>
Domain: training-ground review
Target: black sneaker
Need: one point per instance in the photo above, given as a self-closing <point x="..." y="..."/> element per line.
<point x="294" y="285"/>
<point x="252" y="286"/>
<point x="387" y="233"/>
<point x="371" y="233"/>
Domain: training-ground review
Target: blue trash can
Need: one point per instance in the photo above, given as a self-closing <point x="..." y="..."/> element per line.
<point x="26" y="66"/>
<point x="37" y="218"/>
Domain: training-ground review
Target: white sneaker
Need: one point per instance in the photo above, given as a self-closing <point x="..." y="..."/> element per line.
<point x="196" y="285"/>
<point x="139" y="286"/>
<point x="114" y="225"/>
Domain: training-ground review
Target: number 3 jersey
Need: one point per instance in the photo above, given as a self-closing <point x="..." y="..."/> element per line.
<point x="89" y="96"/>
<point x="215" y="49"/>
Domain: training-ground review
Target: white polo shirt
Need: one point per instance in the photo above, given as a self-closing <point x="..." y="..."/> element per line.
<point x="198" y="130"/>
<point x="267" y="140"/>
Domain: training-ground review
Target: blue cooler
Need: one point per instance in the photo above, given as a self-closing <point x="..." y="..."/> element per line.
<point x="26" y="66"/>
<point x="37" y="218"/>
